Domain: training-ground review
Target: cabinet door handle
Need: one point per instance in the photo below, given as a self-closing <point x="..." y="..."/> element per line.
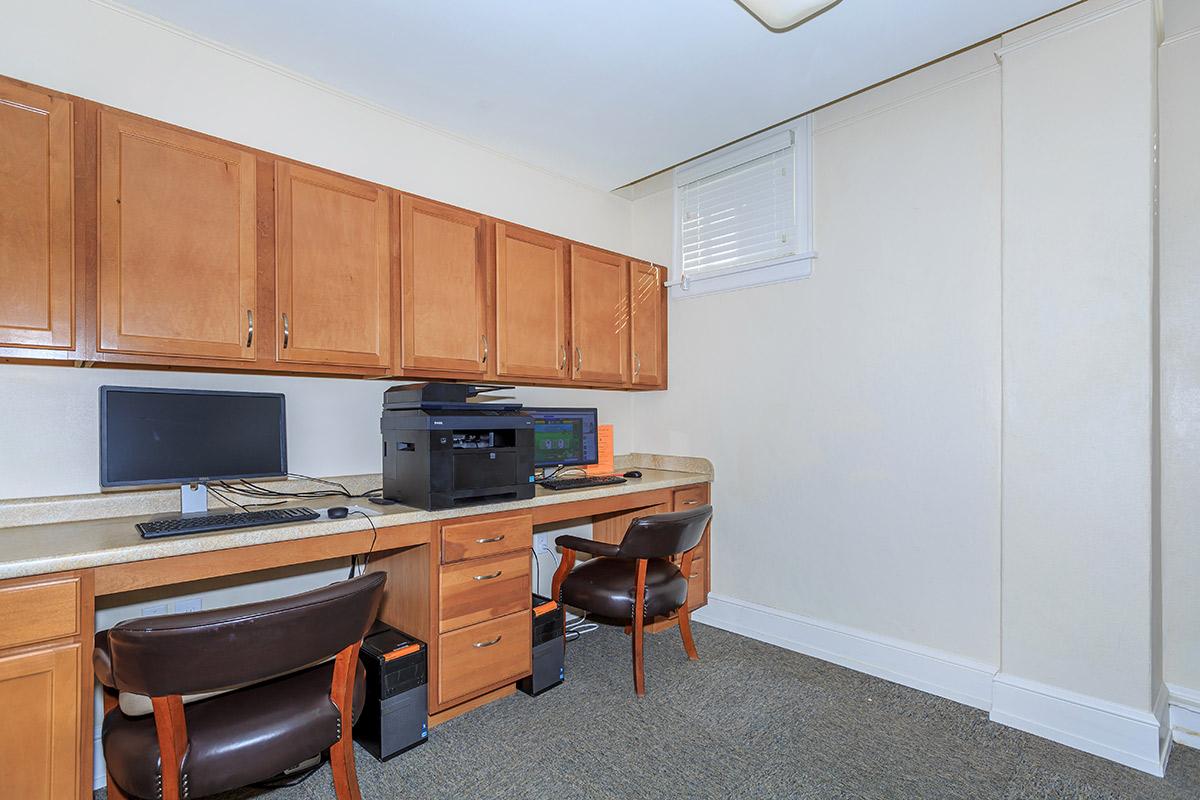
<point x="249" y="327"/>
<point x="562" y="357"/>
<point x="637" y="365"/>
<point x="286" y="331"/>
<point x="499" y="538"/>
<point x="489" y="576"/>
<point x="485" y="348"/>
<point x="489" y="643"/>
<point x="578" y="360"/>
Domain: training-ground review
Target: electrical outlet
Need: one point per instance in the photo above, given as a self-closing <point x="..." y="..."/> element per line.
<point x="188" y="604"/>
<point x="541" y="541"/>
<point x="155" y="610"/>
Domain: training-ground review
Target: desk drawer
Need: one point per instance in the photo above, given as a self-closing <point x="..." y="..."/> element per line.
<point x="484" y="588"/>
<point x="693" y="496"/>
<point x="485" y="537"/>
<point x="484" y="656"/>
<point x="38" y="612"/>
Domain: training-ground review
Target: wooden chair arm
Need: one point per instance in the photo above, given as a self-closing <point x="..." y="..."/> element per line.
<point x="590" y="546"/>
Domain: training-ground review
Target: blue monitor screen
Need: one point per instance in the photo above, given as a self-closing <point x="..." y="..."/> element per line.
<point x="564" y="436"/>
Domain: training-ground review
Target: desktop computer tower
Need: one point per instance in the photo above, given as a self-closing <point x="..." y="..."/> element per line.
<point x="395" y="714"/>
<point x="548" y="647"/>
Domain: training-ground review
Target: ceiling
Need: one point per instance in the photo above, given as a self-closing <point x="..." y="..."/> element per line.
<point x="603" y="92"/>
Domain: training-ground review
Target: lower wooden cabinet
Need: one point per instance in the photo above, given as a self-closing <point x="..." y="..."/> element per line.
<point x="483" y="589"/>
<point x="482" y="657"/>
<point x="40" y="734"/>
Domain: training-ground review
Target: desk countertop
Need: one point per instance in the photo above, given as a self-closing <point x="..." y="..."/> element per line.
<point x="80" y="543"/>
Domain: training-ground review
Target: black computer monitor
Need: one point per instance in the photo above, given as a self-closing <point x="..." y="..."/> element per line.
<point x="564" y="436"/>
<point x="188" y="436"/>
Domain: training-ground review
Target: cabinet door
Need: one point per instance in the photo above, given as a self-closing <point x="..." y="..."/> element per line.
<point x="36" y="271"/>
<point x="443" y="288"/>
<point x="39" y="740"/>
<point x="177" y="255"/>
<point x="332" y="280"/>
<point x="599" y="316"/>
<point x="531" y="304"/>
<point x="647" y="328"/>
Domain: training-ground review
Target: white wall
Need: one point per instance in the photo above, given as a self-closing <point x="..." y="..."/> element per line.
<point x="853" y="417"/>
<point x="860" y="455"/>
<point x="1078" y="358"/>
<point x="50" y="425"/>
<point x="1179" y="103"/>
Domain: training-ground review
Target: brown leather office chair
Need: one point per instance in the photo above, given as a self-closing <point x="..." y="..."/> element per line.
<point x="266" y="686"/>
<point x="635" y="581"/>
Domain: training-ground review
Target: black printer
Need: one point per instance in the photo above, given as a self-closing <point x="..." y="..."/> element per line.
<point x="440" y="450"/>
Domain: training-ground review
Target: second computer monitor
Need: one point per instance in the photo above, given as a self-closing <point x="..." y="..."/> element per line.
<point x="564" y="436"/>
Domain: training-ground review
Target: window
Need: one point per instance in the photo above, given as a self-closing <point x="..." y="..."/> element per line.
<point x="743" y="214"/>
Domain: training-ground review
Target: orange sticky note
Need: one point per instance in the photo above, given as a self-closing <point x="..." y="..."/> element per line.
<point x="604" y="464"/>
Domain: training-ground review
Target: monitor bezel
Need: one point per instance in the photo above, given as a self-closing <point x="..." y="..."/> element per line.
<point x="188" y="479"/>
<point x="531" y="410"/>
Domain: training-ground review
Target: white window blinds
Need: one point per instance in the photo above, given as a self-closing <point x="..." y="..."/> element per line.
<point x="738" y="210"/>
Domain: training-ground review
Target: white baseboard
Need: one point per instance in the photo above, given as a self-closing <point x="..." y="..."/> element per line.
<point x="1138" y="739"/>
<point x="933" y="671"/>
<point x="1129" y="736"/>
<point x="1185" y="715"/>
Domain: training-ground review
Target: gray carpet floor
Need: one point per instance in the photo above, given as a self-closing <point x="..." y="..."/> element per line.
<point x="747" y="721"/>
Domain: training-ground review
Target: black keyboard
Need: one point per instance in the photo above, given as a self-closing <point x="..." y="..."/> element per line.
<point x="582" y="483"/>
<point x="178" y="526"/>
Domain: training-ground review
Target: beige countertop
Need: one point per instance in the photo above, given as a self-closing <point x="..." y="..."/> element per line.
<point x="84" y="531"/>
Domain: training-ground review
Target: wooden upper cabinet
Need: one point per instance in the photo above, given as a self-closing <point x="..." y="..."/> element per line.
<point x="36" y="253"/>
<point x="332" y="276"/>
<point x="177" y="262"/>
<point x="599" y="316"/>
<point x="647" y="327"/>
<point x="443" y="288"/>
<point x="531" y="304"/>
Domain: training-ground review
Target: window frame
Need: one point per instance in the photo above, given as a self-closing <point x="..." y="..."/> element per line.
<point x="787" y="268"/>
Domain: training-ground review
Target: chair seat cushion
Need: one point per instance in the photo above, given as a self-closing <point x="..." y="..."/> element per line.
<point x="605" y="587"/>
<point x="234" y="739"/>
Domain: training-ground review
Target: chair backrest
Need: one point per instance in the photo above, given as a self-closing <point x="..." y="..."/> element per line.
<point x="205" y="651"/>
<point x="665" y="535"/>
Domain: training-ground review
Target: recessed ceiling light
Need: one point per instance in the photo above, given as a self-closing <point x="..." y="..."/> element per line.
<point x="780" y="15"/>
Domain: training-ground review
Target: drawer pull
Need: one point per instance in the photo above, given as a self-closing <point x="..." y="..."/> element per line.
<point x="690" y="502"/>
<point x="490" y="540"/>
<point x="495" y="574"/>
<point x="488" y="643"/>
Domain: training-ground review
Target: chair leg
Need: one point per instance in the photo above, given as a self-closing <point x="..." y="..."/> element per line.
<point x="345" y="775"/>
<point x="685" y="632"/>
<point x="684" y="613"/>
<point x="114" y="791"/>
<point x="341" y="754"/>
<point x="639" y="621"/>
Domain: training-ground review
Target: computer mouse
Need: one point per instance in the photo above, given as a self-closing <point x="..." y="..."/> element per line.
<point x="337" y="512"/>
<point x="633" y="473"/>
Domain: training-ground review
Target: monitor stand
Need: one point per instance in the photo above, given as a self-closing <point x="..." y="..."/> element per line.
<point x="193" y="498"/>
